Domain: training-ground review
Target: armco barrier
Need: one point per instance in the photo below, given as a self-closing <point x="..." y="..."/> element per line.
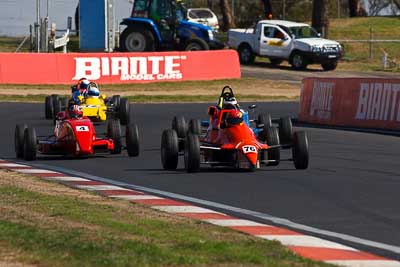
<point x="30" y="68"/>
<point x="356" y="102"/>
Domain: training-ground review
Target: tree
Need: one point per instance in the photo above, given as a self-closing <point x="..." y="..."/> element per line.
<point x="354" y="6"/>
<point x="267" y="8"/>
<point x="320" y="16"/>
<point x="227" y="18"/>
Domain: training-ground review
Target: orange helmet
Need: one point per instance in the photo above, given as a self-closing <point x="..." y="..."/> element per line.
<point x="83" y="85"/>
<point x="234" y="117"/>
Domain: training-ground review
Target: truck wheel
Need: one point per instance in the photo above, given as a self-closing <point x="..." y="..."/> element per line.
<point x="285" y="130"/>
<point x="329" y="65"/>
<point x="194" y="126"/>
<point x="275" y="62"/>
<point x="273" y="140"/>
<point x="124" y="111"/>
<point x="114" y="133"/>
<point x="48" y="107"/>
<point x="192" y="153"/>
<point x="19" y="140"/>
<point x="196" y="44"/>
<point x="264" y="119"/>
<point x="298" y="61"/>
<point x="246" y="55"/>
<point x="30" y="144"/>
<point x="132" y="140"/>
<point x="136" y="40"/>
<point x="300" y="150"/>
<point x="169" y="149"/>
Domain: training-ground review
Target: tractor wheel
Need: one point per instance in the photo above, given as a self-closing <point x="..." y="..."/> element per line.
<point x="132" y="140"/>
<point x="30" y="144"/>
<point x="19" y="140"/>
<point x="179" y="125"/>
<point x="273" y="140"/>
<point x="285" y="130"/>
<point x="192" y="153"/>
<point x="124" y="110"/>
<point x="194" y="126"/>
<point x="196" y="44"/>
<point x="114" y="133"/>
<point x="136" y="39"/>
<point x="48" y="107"/>
<point x="169" y="149"/>
<point x="300" y="150"/>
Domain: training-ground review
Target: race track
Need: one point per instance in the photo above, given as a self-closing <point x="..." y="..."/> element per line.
<point x="351" y="187"/>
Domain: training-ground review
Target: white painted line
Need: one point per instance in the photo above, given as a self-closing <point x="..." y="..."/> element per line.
<point x="234" y="222"/>
<point x="100" y="187"/>
<point x="184" y="209"/>
<point x="13" y="165"/>
<point x="135" y="197"/>
<point x="34" y="171"/>
<point x="305" y="241"/>
<point x="365" y="263"/>
<point x="67" y="179"/>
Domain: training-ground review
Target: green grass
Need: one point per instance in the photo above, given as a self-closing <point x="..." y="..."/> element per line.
<point x="69" y="230"/>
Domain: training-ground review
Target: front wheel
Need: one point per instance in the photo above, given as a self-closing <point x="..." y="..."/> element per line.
<point x="169" y="149"/>
<point x="285" y="130"/>
<point x="274" y="154"/>
<point x="124" y="111"/>
<point x="114" y="133"/>
<point x="194" y="126"/>
<point x="192" y="153"/>
<point x="19" y="140"/>
<point x="48" y="107"/>
<point x="132" y="140"/>
<point x="264" y="119"/>
<point x="298" y="61"/>
<point x="329" y="65"/>
<point x="30" y="144"/>
<point x="300" y="150"/>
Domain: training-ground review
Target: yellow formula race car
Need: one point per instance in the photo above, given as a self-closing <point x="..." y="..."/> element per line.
<point x="97" y="109"/>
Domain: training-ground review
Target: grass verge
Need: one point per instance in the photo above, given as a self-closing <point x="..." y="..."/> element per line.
<point x="48" y="224"/>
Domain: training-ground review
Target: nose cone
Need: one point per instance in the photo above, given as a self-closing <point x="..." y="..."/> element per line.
<point x="252" y="158"/>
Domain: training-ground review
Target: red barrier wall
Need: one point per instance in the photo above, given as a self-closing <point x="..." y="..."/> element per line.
<point x="358" y="102"/>
<point x="32" y="68"/>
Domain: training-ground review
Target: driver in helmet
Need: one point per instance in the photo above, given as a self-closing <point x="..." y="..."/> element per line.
<point x="80" y="89"/>
<point x="75" y="112"/>
<point x="93" y="90"/>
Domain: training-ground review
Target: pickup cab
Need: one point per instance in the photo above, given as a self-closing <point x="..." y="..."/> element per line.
<point x="280" y="40"/>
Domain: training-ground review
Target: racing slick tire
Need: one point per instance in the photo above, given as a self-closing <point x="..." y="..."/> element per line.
<point x="124" y="111"/>
<point x="179" y="125"/>
<point x="132" y="140"/>
<point x="246" y="54"/>
<point x="169" y="149"/>
<point x="274" y="154"/>
<point x="285" y="130"/>
<point x="114" y="132"/>
<point x="19" y="140"/>
<point x="64" y="103"/>
<point x="264" y="119"/>
<point x="57" y="108"/>
<point x="192" y="153"/>
<point x="300" y="150"/>
<point x="116" y="100"/>
<point x="48" y="107"/>
<point x="194" y="127"/>
<point x="30" y="144"/>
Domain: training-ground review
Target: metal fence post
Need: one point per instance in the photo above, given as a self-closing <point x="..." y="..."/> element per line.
<point x="371" y="53"/>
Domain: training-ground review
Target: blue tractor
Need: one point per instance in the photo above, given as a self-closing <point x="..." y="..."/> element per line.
<point x="157" y="25"/>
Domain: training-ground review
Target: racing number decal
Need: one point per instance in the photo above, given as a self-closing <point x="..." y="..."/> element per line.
<point x="82" y="128"/>
<point x="249" y="149"/>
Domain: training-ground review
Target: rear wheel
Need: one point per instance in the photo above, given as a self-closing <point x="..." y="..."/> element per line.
<point x="285" y="130"/>
<point x="134" y="39"/>
<point x="19" y="140"/>
<point x="48" y="107"/>
<point x="132" y="140"/>
<point x="124" y="110"/>
<point x="300" y="150"/>
<point x="30" y="144"/>
<point x="196" y="45"/>
<point x="194" y="126"/>
<point x="274" y="154"/>
<point x="64" y="103"/>
<point x="169" y="149"/>
<point x="57" y="108"/>
<point x="192" y="153"/>
<point x="329" y="65"/>
<point x="114" y="133"/>
<point x="246" y="55"/>
<point x="116" y="99"/>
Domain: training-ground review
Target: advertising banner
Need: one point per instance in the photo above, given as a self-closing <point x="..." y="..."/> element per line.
<point x="357" y="102"/>
<point x="112" y="68"/>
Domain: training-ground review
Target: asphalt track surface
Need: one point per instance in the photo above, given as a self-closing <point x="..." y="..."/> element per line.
<point x="351" y="187"/>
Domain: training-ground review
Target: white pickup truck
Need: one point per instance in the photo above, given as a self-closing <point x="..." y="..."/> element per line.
<point x="280" y="40"/>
